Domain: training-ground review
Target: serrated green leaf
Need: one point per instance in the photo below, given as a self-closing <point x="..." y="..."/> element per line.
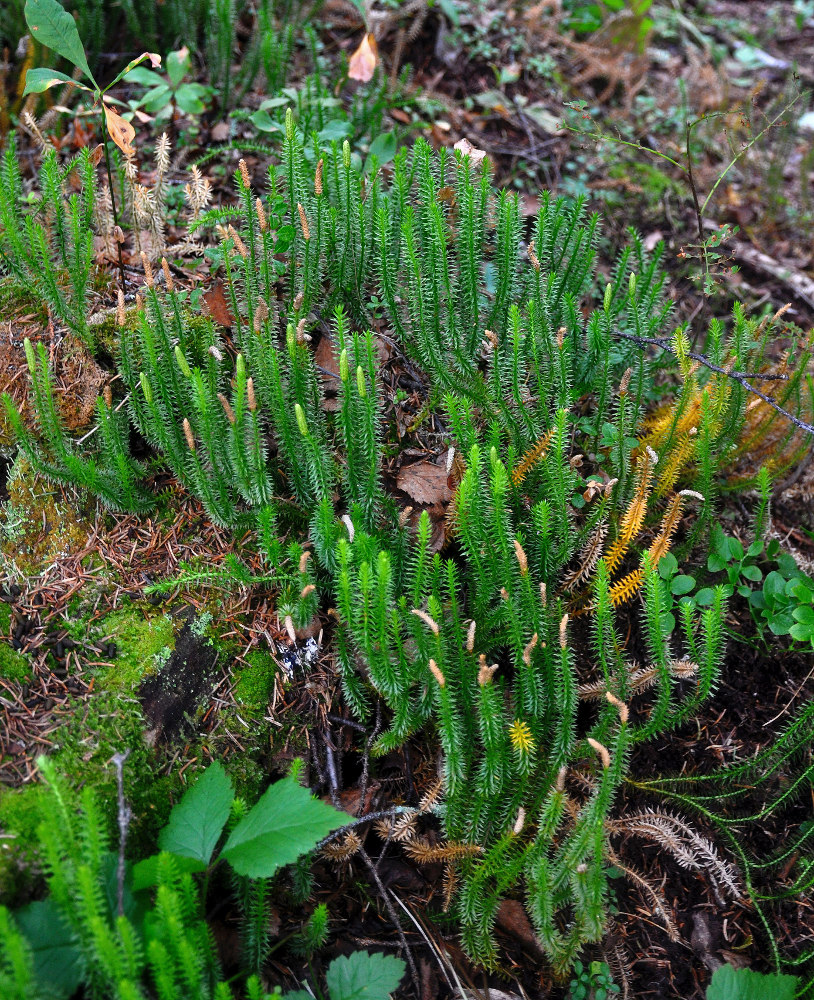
<point x="362" y="976"/>
<point x="286" y="823"/>
<point x="58" y="964"/>
<point x="39" y="80"/>
<point x="53" y="27"/>
<point x="198" y="820"/>
<point x="729" y="983"/>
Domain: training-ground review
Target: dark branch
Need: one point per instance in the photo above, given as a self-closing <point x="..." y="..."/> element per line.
<point x="740" y="377"/>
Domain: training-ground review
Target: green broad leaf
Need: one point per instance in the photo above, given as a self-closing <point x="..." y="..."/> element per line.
<point x="146" y="77"/>
<point x="774" y="585"/>
<point x="787" y="565"/>
<point x="39" y="80"/>
<point x="275" y="102"/>
<point x="753" y="573"/>
<point x="668" y="622"/>
<point x="178" y="65"/>
<point x="156" y="99"/>
<point x="729" y="983"/>
<point x="682" y="585"/>
<point x="52" y="26"/>
<point x="145" y="873"/>
<point x="802" y="633"/>
<point x="286" y="823"/>
<point x="362" y="976"/>
<point x="755" y="548"/>
<point x="781" y="624"/>
<point x="668" y="565"/>
<point x="189" y="98"/>
<point x="263" y="121"/>
<point x="715" y="563"/>
<point x="804" y="614"/>
<point x="298" y="995"/>
<point x="336" y="129"/>
<point x="198" y="820"/>
<point x="450" y="10"/>
<point x="705" y="596"/>
<point x="383" y="147"/>
<point x="58" y="964"/>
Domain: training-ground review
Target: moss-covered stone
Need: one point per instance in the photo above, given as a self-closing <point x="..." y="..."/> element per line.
<point x="38" y="525"/>
<point x="142" y="641"/>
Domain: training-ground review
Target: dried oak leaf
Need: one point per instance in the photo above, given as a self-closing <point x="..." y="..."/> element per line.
<point x="425" y="482"/>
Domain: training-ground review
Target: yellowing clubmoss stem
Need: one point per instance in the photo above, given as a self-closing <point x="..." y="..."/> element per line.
<point x="302" y="423"/>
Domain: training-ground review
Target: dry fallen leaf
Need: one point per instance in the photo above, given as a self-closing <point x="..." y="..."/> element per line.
<point x="220" y="132"/>
<point x="121" y="132"/>
<point x="364" y="60"/>
<point x="217" y="305"/>
<point x="475" y="155"/>
<point x="425" y="482"/>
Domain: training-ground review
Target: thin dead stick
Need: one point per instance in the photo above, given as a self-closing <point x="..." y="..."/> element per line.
<point x="394" y="918"/>
<point x="739" y="377"/>
<point x="125" y="814"/>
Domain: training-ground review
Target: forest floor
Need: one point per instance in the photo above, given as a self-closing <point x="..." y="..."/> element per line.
<point x="79" y="629"/>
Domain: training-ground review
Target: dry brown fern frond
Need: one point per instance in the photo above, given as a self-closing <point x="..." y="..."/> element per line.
<point x="691" y="850"/>
<point x="638" y="679"/>
<point x="400" y="829"/>
<point x="425" y="853"/>
<point x="661" y="907"/>
<point x="340" y="852"/>
<point x="587" y="559"/>
<point x="430" y="798"/>
<point x="531" y="457"/>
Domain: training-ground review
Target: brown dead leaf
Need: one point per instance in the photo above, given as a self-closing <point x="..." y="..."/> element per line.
<point x="220" y="132"/>
<point x="217" y="305"/>
<point x="511" y="917"/>
<point x="400" y="116"/>
<point x="425" y="482"/>
<point x="465" y="146"/>
<point x="364" y="60"/>
<point x="121" y="131"/>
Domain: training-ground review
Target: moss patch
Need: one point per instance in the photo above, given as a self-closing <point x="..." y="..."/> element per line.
<point x="254" y="681"/>
<point x="20" y="813"/>
<point x="39" y="526"/>
<point x="13" y="665"/>
<point x="142" y="642"/>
